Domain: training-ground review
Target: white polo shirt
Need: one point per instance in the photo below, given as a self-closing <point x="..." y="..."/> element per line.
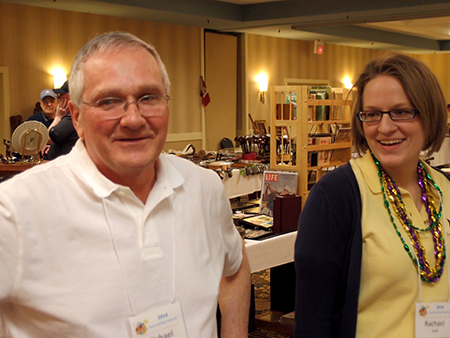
<point x="80" y="254"/>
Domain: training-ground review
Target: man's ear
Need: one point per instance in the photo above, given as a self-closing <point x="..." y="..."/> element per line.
<point x="75" y="112"/>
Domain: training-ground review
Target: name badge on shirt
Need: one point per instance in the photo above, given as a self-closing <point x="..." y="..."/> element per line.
<point x="163" y="322"/>
<point x="432" y="320"/>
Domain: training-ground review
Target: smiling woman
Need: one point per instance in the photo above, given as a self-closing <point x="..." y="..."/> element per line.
<point x="396" y="143"/>
<point x="372" y="232"/>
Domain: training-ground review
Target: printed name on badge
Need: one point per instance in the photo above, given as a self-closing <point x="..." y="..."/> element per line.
<point x="163" y="322"/>
<point x="432" y="320"/>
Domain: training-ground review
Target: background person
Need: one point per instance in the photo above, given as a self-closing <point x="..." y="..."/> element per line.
<point x="131" y="231"/>
<point x="366" y="224"/>
<point x="62" y="133"/>
<point x="48" y="101"/>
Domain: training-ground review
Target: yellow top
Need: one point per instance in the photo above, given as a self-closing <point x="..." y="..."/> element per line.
<point x="389" y="279"/>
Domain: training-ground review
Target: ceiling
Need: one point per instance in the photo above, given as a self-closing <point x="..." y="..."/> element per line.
<point x="415" y="26"/>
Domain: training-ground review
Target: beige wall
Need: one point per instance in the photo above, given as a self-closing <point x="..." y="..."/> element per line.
<point x="35" y="39"/>
<point x="285" y="58"/>
<point x="440" y="65"/>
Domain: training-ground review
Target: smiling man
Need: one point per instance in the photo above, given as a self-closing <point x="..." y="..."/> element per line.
<point x="136" y="241"/>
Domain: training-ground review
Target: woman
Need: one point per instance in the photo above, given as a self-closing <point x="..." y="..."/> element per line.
<point x="368" y="224"/>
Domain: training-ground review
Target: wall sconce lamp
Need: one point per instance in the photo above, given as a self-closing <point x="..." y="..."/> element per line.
<point x="59" y="77"/>
<point x="263" y="83"/>
<point x="347" y="83"/>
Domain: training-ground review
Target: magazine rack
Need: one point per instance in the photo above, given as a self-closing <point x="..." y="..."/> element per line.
<point x="308" y="135"/>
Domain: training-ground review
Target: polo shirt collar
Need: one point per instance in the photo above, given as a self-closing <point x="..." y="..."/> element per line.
<point x="369" y="171"/>
<point x="167" y="176"/>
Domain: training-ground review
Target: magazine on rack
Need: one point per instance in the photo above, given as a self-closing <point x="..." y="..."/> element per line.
<point x="276" y="183"/>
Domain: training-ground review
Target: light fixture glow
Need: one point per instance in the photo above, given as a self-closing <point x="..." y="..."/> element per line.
<point x="263" y="83"/>
<point x="347" y="83"/>
<point x="59" y="77"/>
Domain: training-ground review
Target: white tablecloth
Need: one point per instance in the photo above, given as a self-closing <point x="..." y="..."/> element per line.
<point x="239" y="185"/>
<point x="271" y="252"/>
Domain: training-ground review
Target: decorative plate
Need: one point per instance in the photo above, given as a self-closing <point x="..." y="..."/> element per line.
<point x="29" y="138"/>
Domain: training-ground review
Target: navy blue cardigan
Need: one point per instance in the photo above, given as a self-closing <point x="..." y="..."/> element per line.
<point x="328" y="253"/>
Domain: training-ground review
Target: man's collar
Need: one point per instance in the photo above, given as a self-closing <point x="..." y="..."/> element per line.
<point x="82" y="165"/>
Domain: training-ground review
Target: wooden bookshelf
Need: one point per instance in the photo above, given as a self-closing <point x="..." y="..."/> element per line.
<point x="293" y="121"/>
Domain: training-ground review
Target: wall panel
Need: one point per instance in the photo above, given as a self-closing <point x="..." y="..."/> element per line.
<point x="284" y="58"/>
<point x="35" y="39"/>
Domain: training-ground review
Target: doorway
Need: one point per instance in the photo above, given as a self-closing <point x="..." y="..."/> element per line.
<point x="221" y="80"/>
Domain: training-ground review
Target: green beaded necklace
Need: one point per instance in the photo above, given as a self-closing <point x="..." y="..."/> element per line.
<point x="392" y="197"/>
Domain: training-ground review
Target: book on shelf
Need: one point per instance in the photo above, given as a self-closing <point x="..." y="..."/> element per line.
<point x="291" y="98"/>
<point x="322" y="112"/>
<point x="319" y="138"/>
<point x="276" y="183"/>
<point x="344" y="134"/>
<point x="323" y="158"/>
<point x="319" y="158"/>
<point x="340" y="155"/>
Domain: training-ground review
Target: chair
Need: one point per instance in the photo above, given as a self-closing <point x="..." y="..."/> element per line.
<point x="15" y="121"/>
<point x="226" y="143"/>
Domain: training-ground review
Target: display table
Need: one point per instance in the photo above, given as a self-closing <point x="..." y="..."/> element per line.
<point x="275" y="253"/>
<point x="9" y="170"/>
<point x="239" y="185"/>
<point x="270" y="252"/>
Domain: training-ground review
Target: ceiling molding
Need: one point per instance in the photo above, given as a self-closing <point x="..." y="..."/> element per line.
<point x="311" y="20"/>
<point x="376" y="35"/>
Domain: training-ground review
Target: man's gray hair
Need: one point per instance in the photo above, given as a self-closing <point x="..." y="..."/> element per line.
<point x="102" y="43"/>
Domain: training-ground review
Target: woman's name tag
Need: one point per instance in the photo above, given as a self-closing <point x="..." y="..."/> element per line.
<point x="432" y="320"/>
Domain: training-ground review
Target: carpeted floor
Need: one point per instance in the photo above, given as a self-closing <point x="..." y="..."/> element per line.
<point x="261" y="281"/>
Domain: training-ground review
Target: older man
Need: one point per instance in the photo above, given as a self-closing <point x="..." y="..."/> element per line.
<point x="49" y="101"/>
<point x="135" y="243"/>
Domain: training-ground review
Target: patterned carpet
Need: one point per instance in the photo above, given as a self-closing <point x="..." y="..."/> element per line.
<point x="261" y="281"/>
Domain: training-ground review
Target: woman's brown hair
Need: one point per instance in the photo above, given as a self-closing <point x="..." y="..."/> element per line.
<point x="422" y="89"/>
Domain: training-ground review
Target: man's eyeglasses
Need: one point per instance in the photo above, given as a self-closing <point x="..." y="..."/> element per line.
<point x="114" y="107"/>
<point x="401" y="114"/>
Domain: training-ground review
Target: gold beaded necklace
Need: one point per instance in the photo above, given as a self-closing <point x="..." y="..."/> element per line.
<point x="392" y="197"/>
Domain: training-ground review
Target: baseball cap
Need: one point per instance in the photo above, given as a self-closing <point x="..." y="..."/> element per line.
<point x="47" y="92"/>
<point x="63" y="90"/>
